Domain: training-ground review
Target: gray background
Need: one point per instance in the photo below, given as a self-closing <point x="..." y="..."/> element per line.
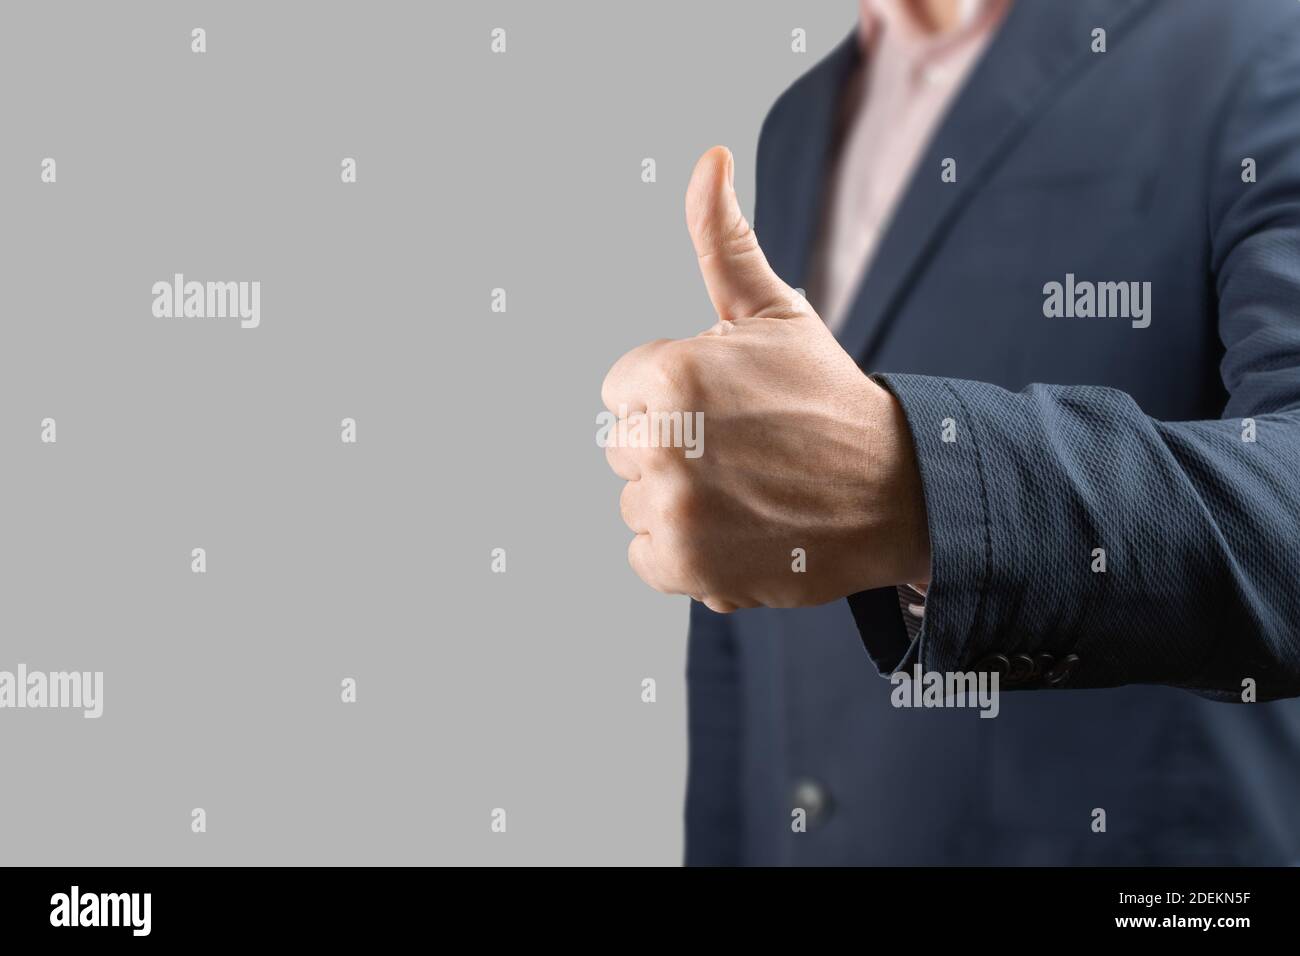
<point x="476" y="430"/>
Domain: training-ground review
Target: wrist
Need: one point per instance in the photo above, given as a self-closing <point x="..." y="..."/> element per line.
<point x="900" y="535"/>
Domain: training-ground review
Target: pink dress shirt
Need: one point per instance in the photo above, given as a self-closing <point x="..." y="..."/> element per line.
<point x="910" y="76"/>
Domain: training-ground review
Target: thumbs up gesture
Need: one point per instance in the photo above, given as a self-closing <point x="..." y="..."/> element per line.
<point x="806" y="488"/>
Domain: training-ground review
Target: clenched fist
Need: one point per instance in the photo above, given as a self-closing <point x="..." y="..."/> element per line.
<point x="806" y="487"/>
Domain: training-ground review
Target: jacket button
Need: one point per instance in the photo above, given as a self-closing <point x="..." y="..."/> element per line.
<point x="994" y="663"/>
<point x="811" y="797"/>
<point x="1022" y="669"/>
<point x="1043" y="663"/>
<point x="1061" y="671"/>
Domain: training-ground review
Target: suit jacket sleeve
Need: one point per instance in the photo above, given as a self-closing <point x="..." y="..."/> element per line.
<point x="1200" y="527"/>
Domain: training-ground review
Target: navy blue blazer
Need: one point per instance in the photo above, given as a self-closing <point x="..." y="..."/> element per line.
<point x="1072" y="434"/>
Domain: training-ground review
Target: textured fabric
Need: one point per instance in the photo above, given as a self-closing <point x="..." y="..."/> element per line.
<point x="1200" y="529"/>
<point x="909" y="78"/>
<point x="1072" y="434"/>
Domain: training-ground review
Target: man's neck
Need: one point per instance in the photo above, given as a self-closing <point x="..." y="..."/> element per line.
<point x="936" y="16"/>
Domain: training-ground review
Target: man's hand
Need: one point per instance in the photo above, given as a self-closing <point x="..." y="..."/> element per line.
<point x="803" y="450"/>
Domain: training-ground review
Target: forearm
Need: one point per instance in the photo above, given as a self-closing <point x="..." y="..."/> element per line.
<point x="1064" y="521"/>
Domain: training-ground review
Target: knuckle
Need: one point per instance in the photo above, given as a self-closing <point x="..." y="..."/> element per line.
<point x="688" y="565"/>
<point x="625" y="371"/>
<point x="609" y="386"/>
<point x="718" y="605"/>
<point x="622" y="461"/>
<point x="638" y="557"/>
<point x="626" y="505"/>
<point x="676" y="372"/>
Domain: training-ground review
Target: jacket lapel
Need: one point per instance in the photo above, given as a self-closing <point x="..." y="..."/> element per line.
<point x="1039" y="48"/>
<point x="796" y="157"/>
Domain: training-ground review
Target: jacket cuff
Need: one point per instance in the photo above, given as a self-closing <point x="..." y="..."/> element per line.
<point x="880" y="625"/>
<point x="946" y="439"/>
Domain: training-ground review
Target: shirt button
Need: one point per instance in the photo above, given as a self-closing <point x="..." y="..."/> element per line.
<point x="811" y="797"/>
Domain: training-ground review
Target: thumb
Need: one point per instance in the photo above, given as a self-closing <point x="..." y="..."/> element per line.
<point x="739" y="280"/>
